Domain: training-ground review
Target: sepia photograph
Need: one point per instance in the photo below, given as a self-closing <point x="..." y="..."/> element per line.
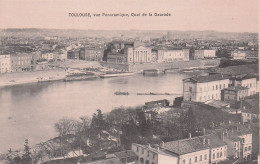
<point x="129" y="82"/>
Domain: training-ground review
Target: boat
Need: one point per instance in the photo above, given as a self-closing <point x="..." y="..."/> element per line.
<point x="121" y="93"/>
<point x="115" y="74"/>
<point x="80" y="76"/>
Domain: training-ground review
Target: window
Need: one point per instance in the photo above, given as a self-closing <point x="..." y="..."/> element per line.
<point x="147" y="162"/>
<point x="216" y="87"/>
<point x="200" y="157"/>
<point x="224" y="86"/>
<point x="249" y="148"/>
<point x="153" y="156"/>
<point x="245" y="148"/>
<point x="196" y="159"/>
<point x="147" y="153"/>
<point x="190" y="89"/>
<point x="220" y="155"/>
<point x="190" y="161"/>
<point x="137" y="149"/>
<point x="213" y="88"/>
<point x="217" y="154"/>
<point x="137" y="158"/>
<point x="142" y="151"/>
<point x="141" y="160"/>
<point x="205" y="157"/>
<point x="213" y="155"/>
<point x="183" y="161"/>
<point x="220" y="86"/>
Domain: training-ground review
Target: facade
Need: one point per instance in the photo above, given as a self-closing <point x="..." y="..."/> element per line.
<point x="200" y="54"/>
<point x="73" y="54"/>
<point x="250" y="111"/>
<point x="204" y="88"/>
<point x="149" y="155"/>
<point x="127" y="52"/>
<point x="234" y="93"/>
<point x="21" y="62"/>
<point x="239" y="141"/>
<point x="248" y="81"/>
<point x="91" y="54"/>
<point x="196" y="150"/>
<point x="5" y="63"/>
<point x="48" y="56"/>
<point x="238" y="55"/>
<point x="176" y="55"/>
<point x="138" y="54"/>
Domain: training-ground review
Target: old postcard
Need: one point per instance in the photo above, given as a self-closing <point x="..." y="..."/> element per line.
<point x="115" y="82"/>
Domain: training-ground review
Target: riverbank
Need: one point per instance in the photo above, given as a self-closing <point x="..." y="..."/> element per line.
<point x="17" y="78"/>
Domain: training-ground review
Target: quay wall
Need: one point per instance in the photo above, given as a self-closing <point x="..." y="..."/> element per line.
<point x="137" y="67"/>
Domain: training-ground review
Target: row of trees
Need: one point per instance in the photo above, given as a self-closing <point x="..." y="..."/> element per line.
<point x="118" y="129"/>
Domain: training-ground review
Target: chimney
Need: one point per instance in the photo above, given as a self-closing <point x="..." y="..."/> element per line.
<point x="204" y="140"/>
<point x="189" y="135"/>
<point x="223" y="136"/>
<point x="158" y="149"/>
<point x="227" y="132"/>
<point x="162" y="144"/>
<point x="204" y="131"/>
<point x="208" y="142"/>
<point x="149" y="146"/>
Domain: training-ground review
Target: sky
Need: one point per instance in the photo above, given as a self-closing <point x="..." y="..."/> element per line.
<point x="194" y="15"/>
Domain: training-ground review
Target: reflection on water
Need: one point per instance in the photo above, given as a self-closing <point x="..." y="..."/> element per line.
<point x="31" y="110"/>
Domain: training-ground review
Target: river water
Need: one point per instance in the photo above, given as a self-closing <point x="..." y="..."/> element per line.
<point x="30" y="111"/>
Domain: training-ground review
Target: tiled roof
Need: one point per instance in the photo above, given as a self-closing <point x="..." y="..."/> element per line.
<point x="252" y="107"/>
<point x="203" y="79"/>
<point x="125" y="154"/>
<point x="185" y="146"/>
<point x="236" y="88"/>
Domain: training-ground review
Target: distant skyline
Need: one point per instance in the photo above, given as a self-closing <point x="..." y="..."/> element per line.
<point x="188" y="15"/>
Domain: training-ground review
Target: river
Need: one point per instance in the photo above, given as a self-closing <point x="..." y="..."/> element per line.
<point x="30" y="111"/>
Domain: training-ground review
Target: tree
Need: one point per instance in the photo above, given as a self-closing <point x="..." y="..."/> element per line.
<point x="66" y="126"/>
<point x="188" y="123"/>
<point x="26" y="158"/>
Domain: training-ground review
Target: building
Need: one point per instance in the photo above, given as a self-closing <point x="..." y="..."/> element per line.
<point x="149" y="155"/>
<point x="200" y="54"/>
<point x="218" y="148"/>
<point x="127" y="156"/>
<point x="47" y="56"/>
<point x="238" y="139"/>
<point x="248" y="81"/>
<point x="176" y="55"/>
<point x="138" y="54"/>
<point x="238" y="55"/>
<point x="250" y="111"/>
<point x="5" y="63"/>
<point x="73" y="54"/>
<point x="91" y="54"/>
<point x="21" y="62"/>
<point x="234" y="93"/>
<point x="128" y="52"/>
<point x="158" y="103"/>
<point x="204" y="88"/>
<point x="200" y="150"/>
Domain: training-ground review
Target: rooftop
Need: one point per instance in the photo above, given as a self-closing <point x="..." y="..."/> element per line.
<point x="125" y="154"/>
<point x="185" y="146"/>
<point x="235" y="88"/>
<point x="204" y="79"/>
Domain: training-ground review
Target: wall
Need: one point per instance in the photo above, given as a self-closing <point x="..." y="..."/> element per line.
<point x="137" y="67"/>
